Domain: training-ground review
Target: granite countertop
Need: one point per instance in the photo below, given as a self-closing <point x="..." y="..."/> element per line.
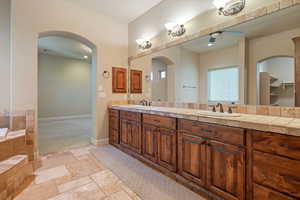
<point x="282" y="125"/>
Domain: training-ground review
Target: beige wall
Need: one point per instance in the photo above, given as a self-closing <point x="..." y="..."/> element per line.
<point x="31" y="17"/>
<point x="64" y="86"/>
<point x="279" y="44"/>
<point x="5" y="55"/>
<point x="228" y="57"/>
<point x="183" y="69"/>
<point x="187" y="77"/>
<point x="151" y="24"/>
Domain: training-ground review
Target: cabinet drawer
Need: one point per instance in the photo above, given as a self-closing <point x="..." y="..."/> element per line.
<point x="284" y="145"/>
<point x="114" y="123"/>
<point x="220" y="133"/>
<point x="261" y="192"/>
<point x="156" y="120"/>
<point x="279" y="173"/>
<point x="133" y="116"/>
<point x="194" y="127"/>
<point x="113" y="113"/>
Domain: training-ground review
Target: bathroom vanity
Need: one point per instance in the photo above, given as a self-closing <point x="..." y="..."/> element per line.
<point x="232" y="158"/>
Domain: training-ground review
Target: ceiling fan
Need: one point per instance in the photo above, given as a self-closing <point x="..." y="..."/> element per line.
<point x="213" y="36"/>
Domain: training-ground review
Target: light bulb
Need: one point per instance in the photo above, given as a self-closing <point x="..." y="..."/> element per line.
<point x="139" y="41"/>
<point x="170" y="26"/>
<point x="220" y="3"/>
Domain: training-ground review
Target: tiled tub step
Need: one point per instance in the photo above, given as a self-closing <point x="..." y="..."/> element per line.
<point x="14" y="172"/>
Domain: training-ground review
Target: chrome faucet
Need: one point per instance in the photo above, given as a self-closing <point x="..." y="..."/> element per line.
<point x="145" y="102"/>
<point x="221" y="107"/>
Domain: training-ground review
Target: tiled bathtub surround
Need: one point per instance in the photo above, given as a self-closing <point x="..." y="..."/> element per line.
<point x="283" y="125"/>
<point x="276" y="111"/>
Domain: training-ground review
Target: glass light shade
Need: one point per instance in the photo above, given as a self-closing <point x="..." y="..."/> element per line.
<point x="140" y="41"/>
<point x="170" y="26"/>
<point x="220" y="3"/>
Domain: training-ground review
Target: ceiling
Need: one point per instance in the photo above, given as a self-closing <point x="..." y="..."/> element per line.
<point x="280" y="21"/>
<point x="65" y="47"/>
<point x="122" y="10"/>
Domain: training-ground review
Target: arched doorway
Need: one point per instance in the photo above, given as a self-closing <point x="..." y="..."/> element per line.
<point x="276" y="81"/>
<point x="68" y="94"/>
<point x="162" y="76"/>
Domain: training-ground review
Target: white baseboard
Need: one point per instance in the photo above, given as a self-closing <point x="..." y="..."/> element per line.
<point x="45" y="119"/>
<point x="100" y="142"/>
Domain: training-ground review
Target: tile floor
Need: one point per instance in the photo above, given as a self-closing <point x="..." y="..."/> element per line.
<point x="75" y="175"/>
<point x="61" y="135"/>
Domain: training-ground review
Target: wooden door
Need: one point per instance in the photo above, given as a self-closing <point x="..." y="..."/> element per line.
<point x="136" y="81"/>
<point x="167" y="150"/>
<point x="192" y="158"/>
<point x="226" y="170"/>
<point x="150" y="142"/>
<point x="119" y="80"/>
<point x="124" y="133"/>
<point x="134" y="136"/>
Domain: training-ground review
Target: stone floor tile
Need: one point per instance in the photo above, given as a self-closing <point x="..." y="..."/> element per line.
<point x="39" y="192"/>
<point x="51" y="174"/>
<point x="56" y="159"/>
<point x="87" y="192"/>
<point x="73" y="184"/>
<point x="105" y="178"/>
<point x="122" y="195"/>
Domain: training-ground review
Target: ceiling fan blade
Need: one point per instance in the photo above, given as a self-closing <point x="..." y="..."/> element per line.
<point x="232" y="32"/>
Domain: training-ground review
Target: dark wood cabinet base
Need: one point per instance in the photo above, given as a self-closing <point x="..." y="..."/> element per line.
<point x="204" y="193"/>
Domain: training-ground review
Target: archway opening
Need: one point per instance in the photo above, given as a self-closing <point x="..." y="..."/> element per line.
<point x="276" y="81"/>
<point x="162" y="77"/>
<point x="66" y="91"/>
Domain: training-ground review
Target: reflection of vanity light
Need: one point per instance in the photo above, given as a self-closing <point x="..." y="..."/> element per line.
<point x="144" y="44"/>
<point x="175" y="30"/>
<point x="229" y="7"/>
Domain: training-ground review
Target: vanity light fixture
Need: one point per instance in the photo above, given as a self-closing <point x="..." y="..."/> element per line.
<point x="229" y="7"/>
<point x="144" y="44"/>
<point x="213" y="38"/>
<point x="175" y="30"/>
<point x="85" y="57"/>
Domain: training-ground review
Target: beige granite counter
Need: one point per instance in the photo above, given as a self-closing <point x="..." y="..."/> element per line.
<point x="283" y="125"/>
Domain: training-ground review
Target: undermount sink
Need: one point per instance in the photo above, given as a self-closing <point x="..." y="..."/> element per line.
<point x="218" y="114"/>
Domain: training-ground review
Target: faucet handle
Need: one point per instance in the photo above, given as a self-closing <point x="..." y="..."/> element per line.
<point x="213" y="108"/>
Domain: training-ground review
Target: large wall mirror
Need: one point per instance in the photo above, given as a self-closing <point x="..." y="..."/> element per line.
<point x="250" y="63"/>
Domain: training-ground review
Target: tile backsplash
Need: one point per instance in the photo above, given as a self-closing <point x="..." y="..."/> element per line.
<point x="246" y="109"/>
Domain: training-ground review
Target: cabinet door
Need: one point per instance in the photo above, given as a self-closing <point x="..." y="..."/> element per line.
<point x="136" y="81"/>
<point x="150" y="142"/>
<point x="192" y="158"/>
<point x="119" y="80"/>
<point x="226" y="170"/>
<point x="124" y="133"/>
<point x="134" y="136"/>
<point x="167" y="150"/>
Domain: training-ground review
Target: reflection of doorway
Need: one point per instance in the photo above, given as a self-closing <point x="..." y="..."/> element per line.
<point x="276" y="76"/>
<point x="65" y="93"/>
<point x="159" y="80"/>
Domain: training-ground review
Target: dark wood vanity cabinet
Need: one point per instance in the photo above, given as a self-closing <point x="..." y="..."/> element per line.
<point x="160" y="140"/>
<point x="192" y="162"/>
<point x="130" y="131"/>
<point x="226" y="170"/>
<point x="276" y="166"/>
<point x="205" y="158"/>
<point x="227" y="162"/>
<point x="114" y="125"/>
